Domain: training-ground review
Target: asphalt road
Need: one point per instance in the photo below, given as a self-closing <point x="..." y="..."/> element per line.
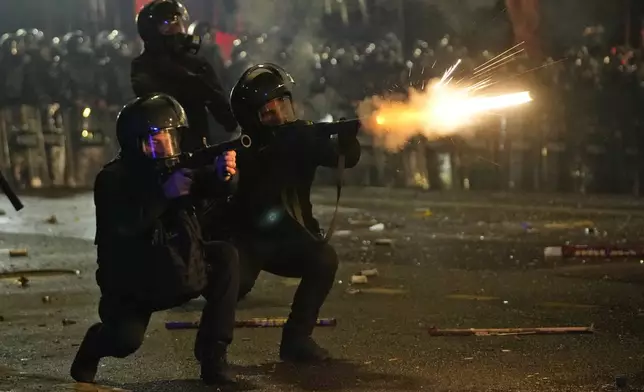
<point x="466" y="261"/>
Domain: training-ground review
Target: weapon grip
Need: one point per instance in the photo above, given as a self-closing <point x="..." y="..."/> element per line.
<point x="11" y="195"/>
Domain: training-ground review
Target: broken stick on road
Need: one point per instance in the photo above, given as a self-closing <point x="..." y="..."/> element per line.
<point x="510" y="331"/>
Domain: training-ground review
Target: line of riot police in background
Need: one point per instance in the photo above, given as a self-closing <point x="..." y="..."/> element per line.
<point x="60" y="96"/>
<point x="58" y="101"/>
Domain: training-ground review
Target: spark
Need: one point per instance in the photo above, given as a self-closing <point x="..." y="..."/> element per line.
<point x="440" y="108"/>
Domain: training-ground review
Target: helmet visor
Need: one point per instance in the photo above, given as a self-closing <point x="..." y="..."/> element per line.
<point x="162" y="144"/>
<point x="175" y="23"/>
<point x="278" y="111"/>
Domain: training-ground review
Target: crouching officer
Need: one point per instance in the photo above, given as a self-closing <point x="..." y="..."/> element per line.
<point x="169" y="64"/>
<point x="276" y="229"/>
<point x="151" y="255"/>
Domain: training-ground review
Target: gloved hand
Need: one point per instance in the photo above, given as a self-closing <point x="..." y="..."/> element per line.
<point x="226" y="165"/>
<point x="178" y="184"/>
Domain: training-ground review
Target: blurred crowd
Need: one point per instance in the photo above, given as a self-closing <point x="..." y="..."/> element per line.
<point x="60" y="95"/>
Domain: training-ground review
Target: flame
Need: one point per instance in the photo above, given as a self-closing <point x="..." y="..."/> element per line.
<point x="441" y="109"/>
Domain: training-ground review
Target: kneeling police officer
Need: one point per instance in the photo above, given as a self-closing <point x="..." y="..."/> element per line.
<point x="276" y="230"/>
<point x="151" y="254"/>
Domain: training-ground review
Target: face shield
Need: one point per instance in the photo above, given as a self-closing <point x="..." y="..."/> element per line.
<point x="176" y="24"/>
<point x="162" y="144"/>
<point x="278" y="111"/>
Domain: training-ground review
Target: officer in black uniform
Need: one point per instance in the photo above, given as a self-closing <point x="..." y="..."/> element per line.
<point x="87" y="144"/>
<point x="277" y="231"/>
<point x="150" y="250"/>
<point x="113" y="76"/>
<point x="22" y="95"/>
<point x="170" y="64"/>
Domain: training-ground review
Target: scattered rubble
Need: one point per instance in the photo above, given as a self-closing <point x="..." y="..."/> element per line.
<point x="67" y="322"/>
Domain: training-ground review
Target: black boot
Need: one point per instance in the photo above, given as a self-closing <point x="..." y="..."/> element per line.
<point x="85" y="363"/>
<point x="215" y="371"/>
<point x="301" y="349"/>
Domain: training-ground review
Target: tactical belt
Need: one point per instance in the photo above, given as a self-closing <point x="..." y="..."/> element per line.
<point x="295" y="211"/>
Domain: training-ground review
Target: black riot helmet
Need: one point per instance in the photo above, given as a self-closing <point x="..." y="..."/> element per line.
<point x="150" y="128"/>
<point x="263" y="97"/>
<point x="77" y="42"/>
<point x="162" y="25"/>
<point x="32" y="39"/>
<point x="111" y="43"/>
<point x="10" y="46"/>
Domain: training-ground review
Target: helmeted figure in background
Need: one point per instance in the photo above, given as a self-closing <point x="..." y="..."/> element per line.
<point x="114" y="55"/>
<point x="170" y="64"/>
<point x="56" y="87"/>
<point x="21" y="96"/>
<point x="87" y="138"/>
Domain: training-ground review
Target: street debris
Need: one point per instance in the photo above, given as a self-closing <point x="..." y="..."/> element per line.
<point x="359" y="279"/>
<point x="369" y="272"/>
<point x="510" y="331"/>
<point x="566" y="305"/>
<point x="83" y="387"/>
<point x="569" y="225"/>
<point x="23" y="282"/>
<point x="472" y="297"/>
<point x="362" y="222"/>
<point x="376" y="290"/>
<point x="46" y="299"/>
<point x="621" y="381"/>
<point x="272" y="322"/>
<point x="67" y="322"/>
<point x="52" y="220"/>
<point x="15" y="252"/>
<point x="343" y="233"/>
<point x="607" y="251"/>
<point x="37" y="273"/>
<point x="377" y="227"/>
<point x="384" y="241"/>
<point x="423" y="212"/>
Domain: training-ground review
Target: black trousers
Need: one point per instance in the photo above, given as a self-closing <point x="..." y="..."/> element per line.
<point x="124" y="322"/>
<point x="315" y="263"/>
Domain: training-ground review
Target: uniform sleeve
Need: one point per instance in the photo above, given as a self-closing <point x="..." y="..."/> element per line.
<point x="120" y="212"/>
<point x="217" y="100"/>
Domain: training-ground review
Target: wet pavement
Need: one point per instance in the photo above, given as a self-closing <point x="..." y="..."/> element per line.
<point x="443" y="260"/>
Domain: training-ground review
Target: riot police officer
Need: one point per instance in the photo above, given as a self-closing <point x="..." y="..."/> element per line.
<point x="113" y="78"/>
<point x="151" y="255"/>
<point x="86" y="146"/>
<point x="59" y="102"/>
<point x="169" y="64"/>
<point x="276" y="229"/>
<point x="22" y="95"/>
